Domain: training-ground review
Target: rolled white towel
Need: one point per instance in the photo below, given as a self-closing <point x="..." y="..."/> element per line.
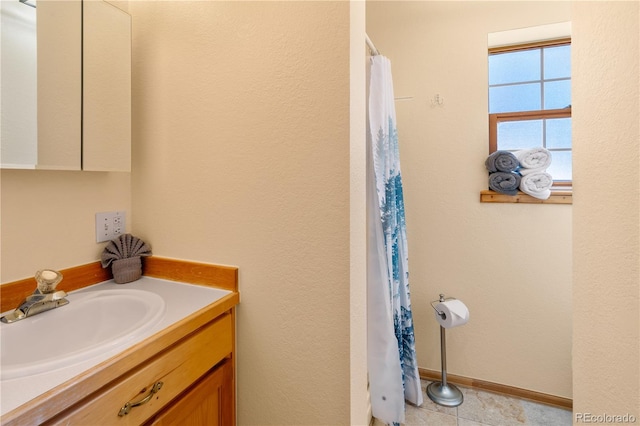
<point x="537" y="185"/>
<point x="533" y="160"/>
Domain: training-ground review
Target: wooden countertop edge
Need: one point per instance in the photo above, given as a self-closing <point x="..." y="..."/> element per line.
<point x="83" y="385"/>
<point x="12" y="293"/>
<point x="220" y="276"/>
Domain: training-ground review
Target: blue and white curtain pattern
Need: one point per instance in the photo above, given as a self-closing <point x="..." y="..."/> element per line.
<point x="392" y="365"/>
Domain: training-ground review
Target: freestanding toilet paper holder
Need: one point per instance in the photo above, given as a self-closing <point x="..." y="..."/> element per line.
<point x="443" y="393"/>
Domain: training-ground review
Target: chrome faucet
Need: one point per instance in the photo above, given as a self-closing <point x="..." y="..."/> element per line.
<point x="44" y="298"/>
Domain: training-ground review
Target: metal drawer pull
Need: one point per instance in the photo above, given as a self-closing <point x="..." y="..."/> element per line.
<point x="129" y="405"/>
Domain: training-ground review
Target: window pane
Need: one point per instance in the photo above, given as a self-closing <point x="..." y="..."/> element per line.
<point x="559" y="133"/>
<point x="557" y="62"/>
<point x="532" y="80"/>
<point x="520" y="97"/>
<point x="513" y="135"/>
<point x="560" y="168"/>
<point x="557" y="94"/>
<point x="514" y="67"/>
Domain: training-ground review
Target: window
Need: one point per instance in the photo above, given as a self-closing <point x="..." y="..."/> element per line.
<point x="530" y="102"/>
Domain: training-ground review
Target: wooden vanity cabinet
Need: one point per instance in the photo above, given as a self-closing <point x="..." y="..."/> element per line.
<point x="196" y="385"/>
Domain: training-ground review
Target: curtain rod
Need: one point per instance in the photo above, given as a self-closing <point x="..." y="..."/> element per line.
<point x="372" y="48"/>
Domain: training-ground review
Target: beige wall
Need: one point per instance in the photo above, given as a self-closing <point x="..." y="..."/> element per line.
<point x="606" y="214"/>
<point x="241" y="156"/>
<point x="510" y="263"/>
<point x="48" y="218"/>
<point x="241" y="130"/>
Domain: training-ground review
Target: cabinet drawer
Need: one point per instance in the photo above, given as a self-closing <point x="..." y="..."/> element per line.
<point x="177" y="368"/>
<point x="209" y="402"/>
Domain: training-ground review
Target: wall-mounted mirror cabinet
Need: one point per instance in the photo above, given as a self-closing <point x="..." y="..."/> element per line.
<point x="66" y="85"/>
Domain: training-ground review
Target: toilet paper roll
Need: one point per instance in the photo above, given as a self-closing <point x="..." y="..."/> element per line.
<point x="455" y="313"/>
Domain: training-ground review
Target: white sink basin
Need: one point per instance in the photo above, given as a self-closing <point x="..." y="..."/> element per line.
<point x="92" y="322"/>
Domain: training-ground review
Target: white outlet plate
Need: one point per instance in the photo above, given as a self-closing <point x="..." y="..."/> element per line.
<point x="109" y="225"/>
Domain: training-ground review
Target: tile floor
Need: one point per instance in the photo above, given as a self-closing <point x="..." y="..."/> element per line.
<point x="481" y="408"/>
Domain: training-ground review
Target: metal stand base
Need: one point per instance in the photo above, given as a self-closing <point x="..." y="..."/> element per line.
<point x="446" y="395"/>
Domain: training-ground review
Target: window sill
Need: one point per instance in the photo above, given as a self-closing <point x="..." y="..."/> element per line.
<point x="563" y="196"/>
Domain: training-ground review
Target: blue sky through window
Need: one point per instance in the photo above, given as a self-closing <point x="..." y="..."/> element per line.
<point x="529" y="80"/>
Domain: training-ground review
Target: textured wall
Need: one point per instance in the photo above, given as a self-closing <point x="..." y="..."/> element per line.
<point x="241" y="132"/>
<point x="510" y="263"/>
<point x="606" y="285"/>
<point x="48" y="218"/>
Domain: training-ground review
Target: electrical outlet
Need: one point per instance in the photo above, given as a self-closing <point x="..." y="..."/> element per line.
<point x="109" y="225"/>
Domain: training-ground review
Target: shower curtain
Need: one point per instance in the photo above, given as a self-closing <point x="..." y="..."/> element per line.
<point x="392" y="365"/>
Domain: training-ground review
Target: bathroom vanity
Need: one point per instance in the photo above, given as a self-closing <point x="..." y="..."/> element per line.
<point x="180" y="370"/>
